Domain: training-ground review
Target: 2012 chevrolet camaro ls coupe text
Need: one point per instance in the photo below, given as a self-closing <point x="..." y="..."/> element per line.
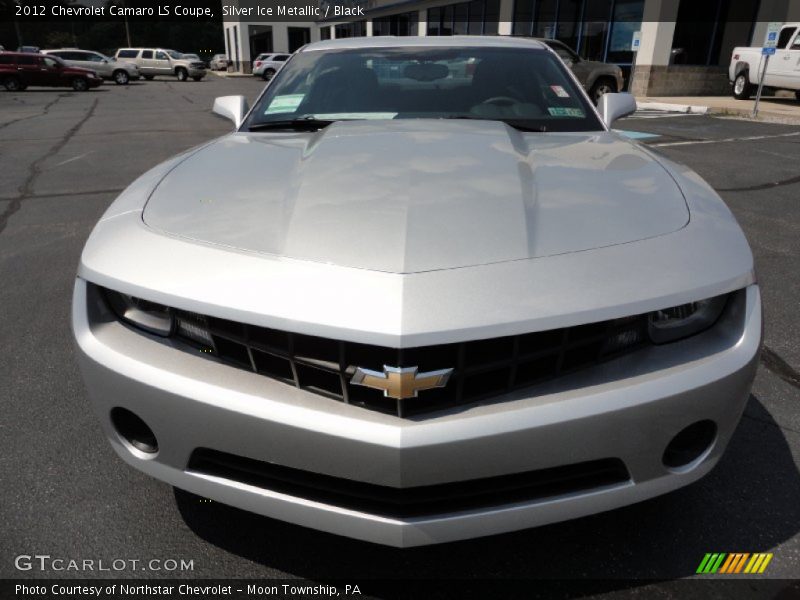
<point x="422" y="293"/>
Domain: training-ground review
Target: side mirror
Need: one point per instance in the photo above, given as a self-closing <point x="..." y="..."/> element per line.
<point x="231" y="107"/>
<point x="616" y="106"/>
<point x="105" y="62"/>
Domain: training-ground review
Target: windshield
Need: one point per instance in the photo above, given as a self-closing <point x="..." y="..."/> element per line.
<point x="528" y="88"/>
<point x="173" y="54"/>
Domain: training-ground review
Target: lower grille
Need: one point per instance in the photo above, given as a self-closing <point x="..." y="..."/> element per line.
<point x="482" y="369"/>
<point x="418" y="501"/>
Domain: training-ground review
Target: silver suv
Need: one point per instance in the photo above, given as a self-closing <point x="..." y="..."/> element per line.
<point x="160" y="61"/>
<point x="105" y="66"/>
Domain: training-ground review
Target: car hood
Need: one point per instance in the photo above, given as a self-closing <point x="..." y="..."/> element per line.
<point x="417" y="195"/>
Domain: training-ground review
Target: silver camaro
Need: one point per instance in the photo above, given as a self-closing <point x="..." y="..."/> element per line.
<point x="429" y="296"/>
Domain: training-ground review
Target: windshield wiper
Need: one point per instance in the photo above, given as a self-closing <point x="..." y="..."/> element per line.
<point x="309" y="123"/>
<point x="518" y="124"/>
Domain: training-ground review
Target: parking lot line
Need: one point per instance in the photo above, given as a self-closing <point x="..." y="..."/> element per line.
<point x="749" y="138"/>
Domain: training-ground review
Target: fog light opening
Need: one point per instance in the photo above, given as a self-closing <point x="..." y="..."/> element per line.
<point x="134" y="431"/>
<point x="690" y="444"/>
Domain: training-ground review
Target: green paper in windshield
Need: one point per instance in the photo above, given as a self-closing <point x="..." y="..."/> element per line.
<point x="284" y="104"/>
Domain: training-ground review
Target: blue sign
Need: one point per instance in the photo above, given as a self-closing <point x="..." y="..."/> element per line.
<point x="773" y="35"/>
<point x="767" y="51"/>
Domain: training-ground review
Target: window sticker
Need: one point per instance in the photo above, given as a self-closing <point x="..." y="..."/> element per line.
<point x="559" y="91"/>
<point x="561" y="111"/>
<point x="284" y="104"/>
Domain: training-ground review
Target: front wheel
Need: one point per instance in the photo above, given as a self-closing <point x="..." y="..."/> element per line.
<point x="197" y="77"/>
<point x="601" y="88"/>
<point x="12" y="84"/>
<point x="79" y="84"/>
<point x="181" y="74"/>
<point x="121" y="77"/>
<point x="742" y="89"/>
<point x="268" y="74"/>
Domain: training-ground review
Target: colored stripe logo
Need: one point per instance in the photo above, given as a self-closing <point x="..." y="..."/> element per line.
<point x="734" y="562"/>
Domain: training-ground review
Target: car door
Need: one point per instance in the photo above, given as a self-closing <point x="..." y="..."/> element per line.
<point x="30" y="70"/>
<point x="98" y="63"/>
<point x="161" y="63"/>
<point x="573" y="61"/>
<point x="147" y="63"/>
<point x="51" y="71"/>
<point x="780" y="69"/>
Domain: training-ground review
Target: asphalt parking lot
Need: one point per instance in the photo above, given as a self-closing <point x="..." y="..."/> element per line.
<point x="66" y="155"/>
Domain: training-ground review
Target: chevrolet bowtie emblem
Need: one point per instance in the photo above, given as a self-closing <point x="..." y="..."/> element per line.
<point x="401" y="383"/>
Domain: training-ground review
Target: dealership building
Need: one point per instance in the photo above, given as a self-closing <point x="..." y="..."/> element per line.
<point x="684" y="48"/>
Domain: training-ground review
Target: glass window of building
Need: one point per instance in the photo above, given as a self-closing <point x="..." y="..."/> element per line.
<point x="706" y="32"/>
<point x="401" y="25"/>
<point x="595" y="29"/>
<point x="475" y="18"/>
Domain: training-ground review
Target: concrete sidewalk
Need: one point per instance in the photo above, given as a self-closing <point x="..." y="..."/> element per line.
<point x="772" y="109"/>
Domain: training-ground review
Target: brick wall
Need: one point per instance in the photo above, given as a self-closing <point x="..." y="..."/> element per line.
<point x="680" y="80"/>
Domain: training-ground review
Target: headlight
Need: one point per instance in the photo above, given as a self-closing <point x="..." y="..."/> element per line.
<point x="678" y="322"/>
<point x="152" y="317"/>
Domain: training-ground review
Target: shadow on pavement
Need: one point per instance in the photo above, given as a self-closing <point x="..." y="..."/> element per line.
<point x="747" y="504"/>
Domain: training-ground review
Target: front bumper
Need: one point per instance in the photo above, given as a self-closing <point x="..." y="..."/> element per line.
<point x="628" y="409"/>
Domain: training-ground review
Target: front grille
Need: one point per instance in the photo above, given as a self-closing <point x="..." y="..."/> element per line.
<point x="483" y="369"/>
<point x="417" y="501"/>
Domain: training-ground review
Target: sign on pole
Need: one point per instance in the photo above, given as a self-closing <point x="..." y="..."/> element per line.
<point x="768" y="49"/>
<point x="636" y="42"/>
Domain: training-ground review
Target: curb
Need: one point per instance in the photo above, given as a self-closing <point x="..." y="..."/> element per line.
<point x="693" y="109"/>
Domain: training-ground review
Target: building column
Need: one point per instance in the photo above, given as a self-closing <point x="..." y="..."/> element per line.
<point x="369" y="27"/>
<point x="422" y="22"/>
<point x="506" y="17"/>
<point x="280" y="37"/>
<point x="333" y="32"/>
<point x="658" y="30"/>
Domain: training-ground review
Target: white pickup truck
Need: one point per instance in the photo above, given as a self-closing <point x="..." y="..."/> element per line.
<point x="783" y="70"/>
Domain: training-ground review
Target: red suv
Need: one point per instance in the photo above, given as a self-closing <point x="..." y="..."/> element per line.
<point x="18" y="70"/>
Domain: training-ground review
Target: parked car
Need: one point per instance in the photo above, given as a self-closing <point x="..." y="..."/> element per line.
<point x="219" y="62"/>
<point x="107" y="67"/>
<point x="420" y="310"/>
<point x="267" y="64"/>
<point x="160" y="61"/>
<point x="18" y="70"/>
<point x="783" y="70"/>
<point x="28" y="49"/>
<point x="597" y="78"/>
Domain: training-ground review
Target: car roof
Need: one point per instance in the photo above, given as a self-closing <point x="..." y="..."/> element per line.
<point x="454" y="41"/>
<point x="14" y="53"/>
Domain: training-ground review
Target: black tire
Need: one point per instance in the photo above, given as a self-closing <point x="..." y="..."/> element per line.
<point x="13" y="84"/>
<point x="268" y="74"/>
<point x="79" y="84"/>
<point x="601" y="87"/>
<point x="197" y="77"/>
<point x="797" y="96"/>
<point x="181" y="74"/>
<point x="121" y="77"/>
<point x="742" y="88"/>
<point x="149" y="77"/>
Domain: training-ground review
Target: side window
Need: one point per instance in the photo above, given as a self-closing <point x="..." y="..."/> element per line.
<point x="786" y="34"/>
<point x="796" y="43"/>
<point x="161" y="56"/>
<point x="281" y="57"/>
<point x="128" y="54"/>
<point x="50" y="63"/>
<point x="93" y="57"/>
<point x="147" y="54"/>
